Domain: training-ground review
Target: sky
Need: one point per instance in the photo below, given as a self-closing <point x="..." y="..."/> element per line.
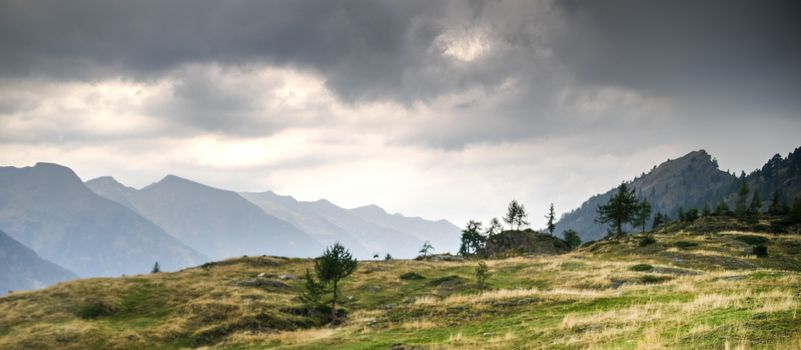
<point x="439" y="109"/>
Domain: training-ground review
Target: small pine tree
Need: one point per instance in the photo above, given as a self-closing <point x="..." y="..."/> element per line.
<point x="706" y="211"/>
<point x="795" y="211"/>
<point x="755" y="207"/>
<point x="551" y="217"/>
<point x="482" y="274"/>
<point x="494" y="227"/>
<point x="515" y="215"/>
<point x="472" y="240"/>
<point x="691" y="215"/>
<point x="659" y="220"/>
<point x="335" y="264"/>
<point x="620" y="209"/>
<point x="388" y="257"/>
<point x="722" y="209"/>
<point x="741" y="208"/>
<point x="642" y="215"/>
<point x="427" y="248"/>
<point x="777" y="206"/>
<point x="313" y="291"/>
<point x="572" y="238"/>
<point x="156" y="268"/>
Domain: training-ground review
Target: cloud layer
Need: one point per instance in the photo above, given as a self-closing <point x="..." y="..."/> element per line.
<point x="445" y="108"/>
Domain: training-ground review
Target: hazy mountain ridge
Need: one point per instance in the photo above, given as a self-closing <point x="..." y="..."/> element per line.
<point x="301" y="215"/>
<point x="21" y="268"/>
<point x="371" y="229"/>
<point x="48" y="209"/>
<point x="216" y="222"/>
<point x="444" y="236"/>
<point x="691" y="181"/>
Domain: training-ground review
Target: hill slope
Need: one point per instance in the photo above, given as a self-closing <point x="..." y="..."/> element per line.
<point x="21" y="268"/>
<point x="687" y="291"/>
<point x="47" y="208"/>
<point x="781" y="174"/>
<point x="693" y="181"/>
<point x="216" y="222"/>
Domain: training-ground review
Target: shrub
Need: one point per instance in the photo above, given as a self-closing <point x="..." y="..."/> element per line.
<point x="761" y="251"/>
<point x="572" y="238"/>
<point x="685" y="244"/>
<point x="651" y="279"/>
<point x="482" y="273"/>
<point x="646" y="240"/>
<point x="98" y="308"/>
<point x="412" y="276"/>
<point x="641" y="267"/>
<point x="752" y="240"/>
<point x="445" y="280"/>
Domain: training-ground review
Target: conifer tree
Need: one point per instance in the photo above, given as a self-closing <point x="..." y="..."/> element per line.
<point x="722" y="209"/>
<point x="472" y="240"/>
<point x="494" y="227"/>
<point x="795" y="210"/>
<point x="776" y="206"/>
<point x="741" y="208"/>
<point x="551" y="225"/>
<point x="516" y="215"/>
<point x="572" y="238"/>
<point x="755" y="207"/>
<point x="335" y="264"/>
<point x="427" y="248"/>
<point x="659" y="220"/>
<point x="156" y="268"/>
<point x="620" y="209"/>
<point x="642" y="214"/>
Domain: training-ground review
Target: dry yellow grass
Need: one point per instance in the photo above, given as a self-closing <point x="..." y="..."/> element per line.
<point x="578" y="300"/>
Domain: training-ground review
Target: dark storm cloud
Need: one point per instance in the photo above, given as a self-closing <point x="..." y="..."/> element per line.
<point x="572" y="64"/>
<point x="721" y="51"/>
<point x="360" y="46"/>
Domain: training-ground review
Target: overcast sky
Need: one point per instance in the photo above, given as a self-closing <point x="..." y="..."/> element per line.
<point x="442" y="109"/>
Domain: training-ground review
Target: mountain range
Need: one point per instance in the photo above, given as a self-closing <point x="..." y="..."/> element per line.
<point x="368" y="229"/>
<point x="21" y="268"/>
<point x="219" y="223"/>
<point x="57" y="227"/>
<point x="48" y="209"/>
<point x="691" y="181"/>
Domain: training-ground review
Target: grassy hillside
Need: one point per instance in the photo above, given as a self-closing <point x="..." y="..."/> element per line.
<point x="694" y="291"/>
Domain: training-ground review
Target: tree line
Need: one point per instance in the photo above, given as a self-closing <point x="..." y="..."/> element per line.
<point x="475" y="235"/>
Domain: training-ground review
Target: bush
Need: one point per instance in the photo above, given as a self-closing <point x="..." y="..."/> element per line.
<point x="641" y="267"/>
<point x="646" y="240"/>
<point x="752" y="240"/>
<point x="651" y="279"/>
<point x="412" y="276"/>
<point x="446" y="280"/>
<point x="761" y="251"/>
<point x="685" y="244"/>
<point x="482" y="274"/>
<point x="98" y="308"/>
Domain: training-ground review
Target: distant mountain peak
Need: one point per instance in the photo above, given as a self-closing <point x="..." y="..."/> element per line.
<point x="107" y="181"/>
<point x="372" y="208"/>
<point x="175" y="181"/>
<point x="692" y="180"/>
<point x="173" y="178"/>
